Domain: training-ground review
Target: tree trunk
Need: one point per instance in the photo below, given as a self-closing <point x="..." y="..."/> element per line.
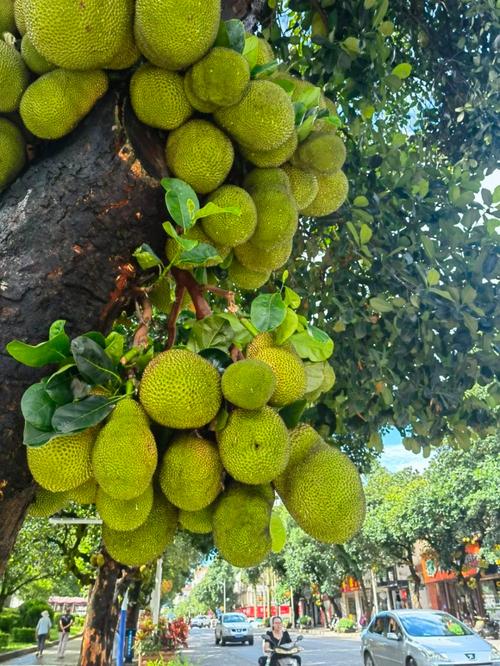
<point x="416" y="584"/>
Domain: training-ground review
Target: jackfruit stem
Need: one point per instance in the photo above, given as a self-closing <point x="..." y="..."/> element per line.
<point x="145" y="314"/>
<point x="174" y="314"/>
<point x="228" y="295"/>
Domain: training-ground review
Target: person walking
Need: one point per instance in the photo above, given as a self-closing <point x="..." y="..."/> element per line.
<point x="42" y="631"/>
<point x="65" y="622"/>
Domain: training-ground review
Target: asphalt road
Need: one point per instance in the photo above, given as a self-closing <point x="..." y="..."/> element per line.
<point x="318" y="651"/>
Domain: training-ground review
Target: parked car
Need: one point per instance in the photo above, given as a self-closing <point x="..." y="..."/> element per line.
<point x="423" y="638"/>
<point x="200" y="621"/>
<point x="233" y="628"/>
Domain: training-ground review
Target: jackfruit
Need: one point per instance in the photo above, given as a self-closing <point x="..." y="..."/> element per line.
<point x="260" y="341"/>
<point x="124" y="456"/>
<point x="12" y="152"/>
<point x="14" y="77"/>
<point x="84" y="494"/>
<point x="303" y="440"/>
<point x="245" y="278"/>
<point x="19" y="16"/>
<point x="54" y="104"/>
<point x="196" y="102"/>
<point x="191" y="472"/>
<point x="172" y="249"/>
<point x="248" y="384"/>
<point x="148" y="541"/>
<point x="228" y="228"/>
<point x="158" y="97"/>
<point x="198" y="522"/>
<point x="241" y="526"/>
<point x="289" y="371"/>
<point x="7" y="23"/>
<point x="180" y="389"/>
<point x="261" y="178"/>
<point x="271" y="158"/>
<point x="78" y="35"/>
<point x="277" y="217"/>
<point x="128" y="53"/>
<point x="325" y="496"/>
<point x="323" y="124"/>
<point x="262" y="259"/>
<point x="64" y="462"/>
<point x="304" y="185"/>
<point x="124" y="514"/>
<point x="47" y="503"/>
<point x="34" y="60"/>
<point x="322" y="152"/>
<point x="200" y="154"/>
<point x="264" y="118"/>
<point x="265" y="52"/>
<point x="332" y="193"/>
<point x="174" y="35"/>
<point x="221" y="77"/>
<point x="254" y="445"/>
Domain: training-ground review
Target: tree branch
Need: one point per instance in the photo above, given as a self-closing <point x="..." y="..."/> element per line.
<point x="145" y="314"/>
<point x="228" y="295"/>
<point x="180" y="291"/>
<point x="196" y="291"/>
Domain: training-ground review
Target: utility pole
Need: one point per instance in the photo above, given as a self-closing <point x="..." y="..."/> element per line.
<point x="224" y="602"/>
<point x="156" y="596"/>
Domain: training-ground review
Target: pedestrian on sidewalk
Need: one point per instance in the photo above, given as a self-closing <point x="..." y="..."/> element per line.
<point x="65" y="622"/>
<point x="42" y="631"/>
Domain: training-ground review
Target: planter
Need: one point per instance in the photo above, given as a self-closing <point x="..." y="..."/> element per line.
<point x="163" y="655"/>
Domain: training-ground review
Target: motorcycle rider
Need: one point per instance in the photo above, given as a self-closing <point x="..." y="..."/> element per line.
<point x="275" y="637"/>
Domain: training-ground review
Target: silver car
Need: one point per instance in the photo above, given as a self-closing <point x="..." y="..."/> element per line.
<point x="423" y="638"/>
<point x="233" y="628"/>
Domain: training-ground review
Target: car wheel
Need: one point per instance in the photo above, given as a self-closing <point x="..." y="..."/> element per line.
<point x="368" y="660"/>
<point x="216" y="640"/>
<point x="411" y="662"/>
<point x="250" y="641"/>
<point x="222" y="641"/>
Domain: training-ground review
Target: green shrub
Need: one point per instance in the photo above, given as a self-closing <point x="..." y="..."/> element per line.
<point x="345" y="625"/>
<point x="4" y="640"/>
<point x="305" y="621"/>
<point x="30" y="611"/>
<point x="8" y="619"/>
<point x="23" y="635"/>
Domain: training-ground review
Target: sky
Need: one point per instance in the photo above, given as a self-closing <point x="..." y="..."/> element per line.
<point x="396" y="457"/>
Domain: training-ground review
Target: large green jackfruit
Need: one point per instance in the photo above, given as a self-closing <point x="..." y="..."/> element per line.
<point x="180" y="389"/>
<point x="64" y="462"/>
<point x="174" y="34"/>
<point x="265" y="52"/>
<point x="221" y="77"/>
<point x="34" y="60"/>
<point x="260" y="178"/>
<point x="172" y="248"/>
<point x="200" y="154"/>
<point x="303" y="439"/>
<point x="289" y="371"/>
<point x="47" y="503"/>
<point x="248" y="384"/>
<point x="19" y="16"/>
<point x="254" y="445"/>
<point x="128" y="53"/>
<point x="124" y="514"/>
<point x="191" y="472"/>
<point x="198" y="522"/>
<point x="194" y="100"/>
<point x="321" y="152"/>
<point x="158" y="97"/>
<point x="264" y="118"/>
<point x="54" y="104"/>
<point x="14" y="77"/>
<point x="12" y="152"/>
<point x="148" y="541"/>
<point x="332" y="192"/>
<point x="85" y="493"/>
<point x="264" y="259"/>
<point x="271" y="158"/>
<point x="125" y="456"/>
<point x="246" y="278"/>
<point x="277" y="217"/>
<point x="78" y="35"/>
<point x="7" y="22"/>
<point x="229" y="228"/>
<point x="304" y="185"/>
<point x="241" y="524"/>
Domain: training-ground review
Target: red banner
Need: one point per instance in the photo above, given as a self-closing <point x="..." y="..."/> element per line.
<point x="433" y="574"/>
<point x="262" y="611"/>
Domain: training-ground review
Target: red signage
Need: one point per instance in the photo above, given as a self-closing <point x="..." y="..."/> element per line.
<point x="262" y="611"/>
<point x="433" y="574"/>
<point x="350" y="584"/>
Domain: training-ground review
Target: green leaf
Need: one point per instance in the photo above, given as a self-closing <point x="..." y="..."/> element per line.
<point x="428" y="245"/>
<point x="315" y="376"/>
<point x="443" y="293"/>
<point x="115" y="345"/>
<point x="34" y="437"/>
<point x="146" y="257"/>
<point x="291" y="298"/>
<point x="305" y="127"/>
<point x="218" y="358"/>
<point x="58" y="385"/>
<point x="212" y="209"/>
<point x="433" y="277"/>
<point x="218" y="331"/>
<point x="251" y="51"/>
<point x="360" y="202"/>
<point x="198" y="255"/>
<point x="97" y="337"/>
<point x="267" y="312"/>
<point x="380" y="13"/>
<point x="287" y="328"/>
<point x="56" y="328"/>
<point x="92" y="361"/>
<point x="380" y="304"/>
<point x="86" y="413"/>
<point x="231" y="35"/>
<point x="37" y="407"/>
<point x="310" y="97"/>
<point x="313" y="343"/>
<point x="277" y="530"/>
<point x="291" y="414"/>
<point x="353" y="231"/>
<point x="402" y="71"/>
<point x="181" y="201"/>
<point x="365" y="234"/>
<point x="496" y="195"/>
<point x="35" y="356"/>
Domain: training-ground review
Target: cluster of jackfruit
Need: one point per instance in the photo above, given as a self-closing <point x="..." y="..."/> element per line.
<point x="228" y="448"/>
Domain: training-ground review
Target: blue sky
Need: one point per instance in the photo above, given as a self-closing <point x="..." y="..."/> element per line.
<point x="396" y="457"/>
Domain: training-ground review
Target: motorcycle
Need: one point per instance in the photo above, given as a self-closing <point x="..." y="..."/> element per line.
<point x="284" y="652"/>
<point x="486" y="627"/>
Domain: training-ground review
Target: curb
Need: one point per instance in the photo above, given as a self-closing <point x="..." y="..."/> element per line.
<point x="13" y="654"/>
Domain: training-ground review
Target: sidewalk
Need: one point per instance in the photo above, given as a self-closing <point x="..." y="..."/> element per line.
<point x="49" y="656"/>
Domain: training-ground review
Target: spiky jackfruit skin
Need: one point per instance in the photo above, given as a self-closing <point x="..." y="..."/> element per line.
<point x="158" y="97"/>
<point x="196" y="233"/>
<point x="191" y="472"/>
<point x="194" y="100"/>
<point x="266" y="177"/>
<point x="228" y="228"/>
<point x="148" y="541"/>
<point x="289" y="372"/>
<point x="54" y="104"/>
<point x="180" y="389"/>
<point x="332" y="192"/>
<point x="198" y="522"/>
<point x="200" y="154"/>
<point x="325" y="496"/>
<point x="248" y="384"/>
<point x="77" y="35"/>
<point x="47" y="503"/>
<point x="191" y="28"/>
<point x="303" y="439"/>
<point x="304" y="185"/>
<point x="12" y="152"/>
<point x="241" y="526"/>
<point x="277" y="217"/>
<point x="124" y="515"/>
<point x="64" y="462"/>
<point x="245" y="278"/>
<point x="19" y="17"/>
<point x="323" y="124"/>
<point x="262" y="259"/>
<point x="260" y="341"/>
<point x="14" y="78"/>
<point x="221" y="77"/>
<point x="128" y="53"/>
<point x="254" y="445"/>
<point x="265" y="52"/>
<point x="322" y="152"/>
<point x="271" y="158"/>
<point x="124" y="457"/>
<point x="34" y="60"/>
<point x="84" y="494"/>
<point x="264" y="118"/>
<point x="7" y="22"/>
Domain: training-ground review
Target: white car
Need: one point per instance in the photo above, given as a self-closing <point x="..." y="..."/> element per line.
<point x="423" y="638"/>
<point x="200" y="621"/>
<point x="233" y="628"/>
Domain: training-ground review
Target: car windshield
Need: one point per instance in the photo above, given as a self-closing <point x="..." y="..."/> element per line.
<point x="433" y="624"/>
<point x="233" y="618"/>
